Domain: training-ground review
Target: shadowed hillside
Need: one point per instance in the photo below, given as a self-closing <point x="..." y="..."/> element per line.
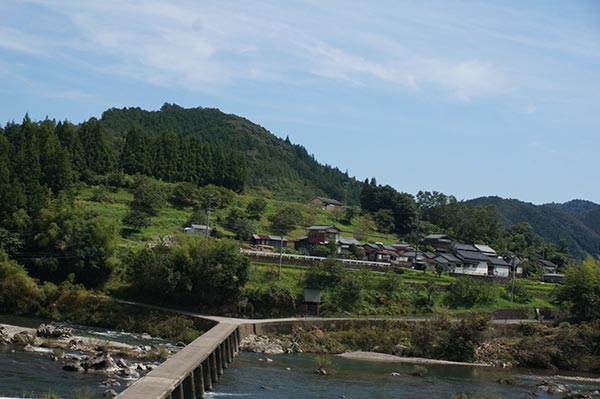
<point x="577" y="221"/>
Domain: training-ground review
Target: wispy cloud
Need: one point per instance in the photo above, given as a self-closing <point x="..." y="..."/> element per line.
<point x="199" y="45"/>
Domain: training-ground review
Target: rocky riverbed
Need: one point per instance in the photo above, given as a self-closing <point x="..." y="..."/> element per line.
<point x="121" y="363"/>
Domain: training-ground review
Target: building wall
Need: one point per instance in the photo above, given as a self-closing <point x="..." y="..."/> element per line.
<point x="479" y="269"/>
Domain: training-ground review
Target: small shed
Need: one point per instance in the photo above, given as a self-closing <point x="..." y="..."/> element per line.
<point x="312" y="301"/>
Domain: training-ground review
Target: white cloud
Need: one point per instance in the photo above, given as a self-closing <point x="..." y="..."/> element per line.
<point x="531" y="109"/>
<point x="201" y="45"/>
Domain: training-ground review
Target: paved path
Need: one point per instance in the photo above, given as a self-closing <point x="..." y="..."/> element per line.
<point x="241" y="321"/>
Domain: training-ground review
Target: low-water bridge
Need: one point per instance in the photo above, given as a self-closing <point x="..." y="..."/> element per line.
<point x="192" y="371"/>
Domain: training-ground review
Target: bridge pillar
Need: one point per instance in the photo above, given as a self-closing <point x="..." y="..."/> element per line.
<point x="223" y="353"/>
<point x="228" y="352"/>
<point x="188" y="387"/>
<point x="177" y="393"/>
<point x="236" y="338"/>
<point x="230" y="344"/>
<point x="214" y="371"/>
<point x="219" y="358"/>
<point x="207" y="374"/>
<point x="199" y="381"/>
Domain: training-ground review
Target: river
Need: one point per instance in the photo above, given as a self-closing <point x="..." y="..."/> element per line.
<point x="251" y="376"/>
<point x="286" y="376"/>
<point x="34" y="375"/>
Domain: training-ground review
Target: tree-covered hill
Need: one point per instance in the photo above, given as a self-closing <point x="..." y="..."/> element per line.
<point x="553" y="222"/>
<point x="579" y="207"/>
<point x="286" y="169"/>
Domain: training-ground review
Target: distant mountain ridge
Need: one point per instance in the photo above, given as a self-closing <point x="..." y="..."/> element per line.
<point x="576" y="221"/>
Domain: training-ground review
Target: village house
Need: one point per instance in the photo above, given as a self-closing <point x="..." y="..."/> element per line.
<point x="377" y="252"/>
<point x="200" y="229"/>
<point x="548" y="267"/>
<point x="498" y="267"/>
<point x="473" y="261"/>
<point x="439" y="242"/>
<point x="267" y="242"/>
<point x="328" y="203"/>
<point x="318" y="235"/>
<point x="345" y="244"/>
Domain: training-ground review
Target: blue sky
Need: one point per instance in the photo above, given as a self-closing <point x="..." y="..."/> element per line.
<point x="465" y="97"/>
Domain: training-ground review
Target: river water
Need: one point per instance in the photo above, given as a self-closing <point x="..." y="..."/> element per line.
<point x="286" y="376"/>
<point x="34" y="374"/>
<point x="251" y="376"/>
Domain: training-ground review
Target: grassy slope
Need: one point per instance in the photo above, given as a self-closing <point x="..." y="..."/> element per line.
<point x="170" y="220"/>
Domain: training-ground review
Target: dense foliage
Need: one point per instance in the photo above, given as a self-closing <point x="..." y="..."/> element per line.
<point x="200" y="272"/>
<point x="553" y="222"/>
<point x="286" y="169"/>
<point x="581" y="290"/>
<point x="395" y="211"/>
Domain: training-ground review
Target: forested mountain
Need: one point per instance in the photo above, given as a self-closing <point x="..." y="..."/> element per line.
<point x="577" y="222"/>
<point x="578" y="207"/>
<point x="273" y="163"/>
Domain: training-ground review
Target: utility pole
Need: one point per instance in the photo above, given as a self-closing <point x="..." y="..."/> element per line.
<point x="280" y="257"/>
<point x="208" y="210"/>
<point x="417" y="238"/>
<point x="514" y="262"/>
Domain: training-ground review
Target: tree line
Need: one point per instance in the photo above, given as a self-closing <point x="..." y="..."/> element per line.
<point x="40" y="159"/>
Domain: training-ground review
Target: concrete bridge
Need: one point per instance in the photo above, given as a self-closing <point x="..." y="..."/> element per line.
<point x="192" y="371"/>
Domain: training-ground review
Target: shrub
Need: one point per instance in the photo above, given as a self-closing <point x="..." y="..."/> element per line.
<point x="19" y="293"/>
<point x="467" y="292"/>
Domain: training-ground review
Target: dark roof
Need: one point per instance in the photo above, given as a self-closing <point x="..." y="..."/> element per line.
<point x="329" y="201"/>
<point x="547" y="263"/>
<point x="441" y="259"/>
<point x="465" y="247"/>
<point x="312" y="295"/>
<point x="486" y="249"/>
<point x="498" y="261"/>
<point x="266" y="237"/>
<point x="411" y="255"/>
<point x="402" y="246"/>
<point x="471" y="256"/>
<point x="348" y="241"/>
<point x="322" y="227"/>
<point x="371" y="245"/>
<point x="436" y="237"/>
<point x="451" y="258"/>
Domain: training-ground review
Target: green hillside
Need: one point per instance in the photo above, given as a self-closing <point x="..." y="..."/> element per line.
<point x="579" y="207"/>
<point x="551" y="222"/>
<point x="275" y="164"/>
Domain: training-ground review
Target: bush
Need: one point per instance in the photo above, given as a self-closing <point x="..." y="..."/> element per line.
<point x="19" y="294"/>
<point x="273" y="302"/>
<point x="326" y="274"/>
<point x="204" y="272"/>
<point x="467" y="292"/>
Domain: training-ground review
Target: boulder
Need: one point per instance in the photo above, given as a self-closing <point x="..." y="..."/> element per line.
<point x="4" y="336"/>
<point x="550" y="387"/>
<point x="100" y="363"/>
<point x="111" y="382"/>
<point x="23" y="338"/>
<point x="110" y="393"/>
<point x="72" y="366"/>
<point x="51" y="331"/>
<point x="261" y="344"/>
